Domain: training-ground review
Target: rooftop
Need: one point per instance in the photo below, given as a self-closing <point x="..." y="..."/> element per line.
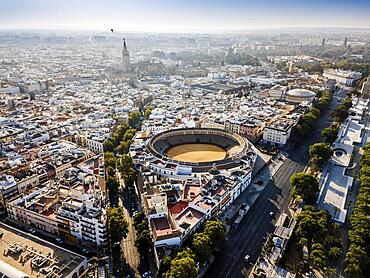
<point x="45" y="257"/>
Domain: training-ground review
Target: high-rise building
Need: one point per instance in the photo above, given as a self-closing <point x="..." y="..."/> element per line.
<point x="125" y="58"/>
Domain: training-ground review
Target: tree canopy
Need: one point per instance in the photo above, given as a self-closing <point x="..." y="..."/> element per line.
<point x="330" y="133"/>
<point x="126" y="167"/>
<point x="138" y="217"/>
<point x="316" y="231"/>
<point x="143" y="242"/>
<point x="164" y="266"/>
<point x="112" y="183"/>
<point x="357" y="259"/>
<point x="305" y="186"/>
<point x="320" y="153"/>
<point x="183" y="265"/>
<point x="134" y="119"/>
<point x="117" y="224"/>
<point x="110" y="160"/>
<point x="147" y="112"/>
<point x="202" y="246"/>
<point x="215" y="229"/>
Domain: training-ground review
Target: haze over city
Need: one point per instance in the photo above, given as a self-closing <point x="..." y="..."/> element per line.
<point x="182" y="16"/>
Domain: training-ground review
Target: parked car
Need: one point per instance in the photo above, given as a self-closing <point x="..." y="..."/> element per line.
<point x="31" y="231"/>
<point x="147" y="274"/>
<point x="116" y="244"/>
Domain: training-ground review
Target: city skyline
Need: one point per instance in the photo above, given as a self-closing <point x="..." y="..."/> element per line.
<point x="182" y="16"/>
<point x="172" y="139"/>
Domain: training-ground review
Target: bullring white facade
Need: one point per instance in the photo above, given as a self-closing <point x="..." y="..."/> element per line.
<point x="178" y="196"/>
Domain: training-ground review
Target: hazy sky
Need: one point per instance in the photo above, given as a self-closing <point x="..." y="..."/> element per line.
<point x="187" y="15"/>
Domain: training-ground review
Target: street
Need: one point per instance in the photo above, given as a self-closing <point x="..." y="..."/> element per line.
<point x="128" y="201"/>
<point x="128" y="248"/>
<point x="248" y="238"/>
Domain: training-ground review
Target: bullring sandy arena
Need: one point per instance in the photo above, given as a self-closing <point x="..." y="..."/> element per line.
<point x="196" y="153"/>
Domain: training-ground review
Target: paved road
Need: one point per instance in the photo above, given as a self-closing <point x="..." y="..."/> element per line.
<point x="299" y="153"/>
<point x="127" y="200"/>
<point x="127" y="245"/>
<point x="248" y="237"/>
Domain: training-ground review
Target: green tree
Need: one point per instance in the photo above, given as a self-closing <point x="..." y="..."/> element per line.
<point x="123" y="147"/>
<point x="117" y="224"/>
<point x="143" y="242"/>
<point x="334" y="253"/>
<point x="317" y="256"/>
<point x="129" y="134"/>
<point x="112" y="183"/>
<point x="330" y="272"/>
<point x="315" y="112"/>
<point x="320" y="153"/>
<point x="324" y="100"/>
<point x="138" y="218"/>
<point x="182" y="267"/>
<point x="347" y="103"/>
<point x="202" y="246"/>
<point x="215" y="229"/>
<point x="133" y="119"/>
<point x="305" y="186"/>
<point x="126" y="167"/>
<point x="110" y="171"/>
<point x="330" y="134"/>
<point x="356" y="261"/>
<point x="312" y="226"/>
<point x="309" y="119"/>
<point x="340" y="114"/>
<point x="142" y="226"/>
<point x="147" y="112"/>
<point x="185" y="252"/>
<point x="110" y="159"/>
<point x="108" y="145"/>
<point x="118" y="134"/>
<point x="164" y="266"/>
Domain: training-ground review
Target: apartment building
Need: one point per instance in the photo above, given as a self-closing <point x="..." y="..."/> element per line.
<point x="278" y="132"/>
<point x="75" y="215"/>
<point x="344" y="77"/>
<point x="247" y="128"/>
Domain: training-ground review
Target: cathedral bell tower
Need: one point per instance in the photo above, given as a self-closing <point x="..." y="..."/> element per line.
<point x="125" y="58"/>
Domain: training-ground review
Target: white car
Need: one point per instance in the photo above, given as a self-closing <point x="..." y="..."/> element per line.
<point x="246" y="258"/>
<point x="116" y="244"/>
<point x="147" y="274"/>
<point x="31" y="231"/>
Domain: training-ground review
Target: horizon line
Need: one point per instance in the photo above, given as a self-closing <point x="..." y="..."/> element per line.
<point x="179" y="30"/>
